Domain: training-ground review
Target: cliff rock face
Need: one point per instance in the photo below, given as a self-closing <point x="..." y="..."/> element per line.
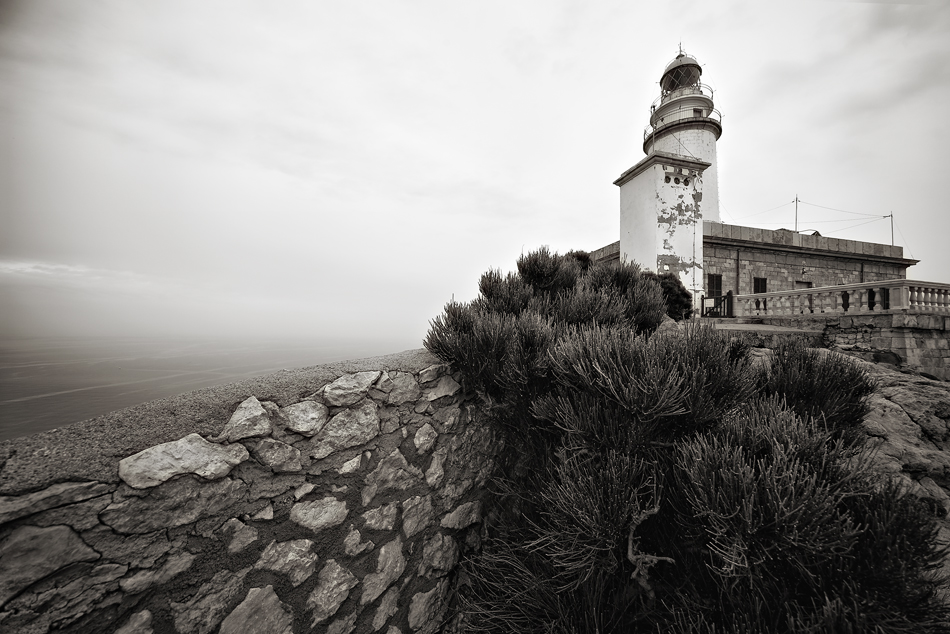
<point x="346" y="510"/>
<point x="909" y="426"/>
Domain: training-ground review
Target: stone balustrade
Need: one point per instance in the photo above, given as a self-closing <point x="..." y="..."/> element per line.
<point x="888" y="296"/>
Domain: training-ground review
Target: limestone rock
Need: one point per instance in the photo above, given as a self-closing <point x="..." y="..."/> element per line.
<point x="464" y="516"/>
<point x="433" y="372"/>
<point x="249" y="420"/>
<point x="135" y="551"/>
<point x="191" y="454"/>
<point x="29" y="553"/>
<point x="202" y="613"/>
<point x="345" y="625"/>
<point x="425" y="437"/>
<point x="439" y="556"/>
<point x="270" y="485"/>
<point x="389" y="567"/>
<point x="382" y="518"/>
<point x="303" y="490"/>
<point x="80" y="516"/>
<point x="15" y="506"/>
<point x="319" y="514"/>
<point x="145" y="579"/>
<point x="393" y="630"/>
<point x="280" y="457"/>
<point x="64" y="598"/>
<point x="351" y="466"/>
<point x="388" y="606"/>
<point x="445" y="387"/>
<point x="174" y="503"/>
<point x="435" y="473"/>
<point x="349" y="428"/>
<point x="292" y="558"/>
<point x="139" y="623"/>
<point x="392" y="473"/>
<point x="384" y="383"/>
<point x="306" y="417"/>
<point x="334" y="583"/>
<point x="266" y="513"/>
<point x="416" y="515"/>
<point x="244" y="535"/>
<point x="447" y="416"/>
<point x="389" y="420"/>
<point x="405" y="389"/>
<point x="260" y="612"/>
<point x="349" y="388"/>
<point x="427" y="608"/>
<point x="352" y="545"/>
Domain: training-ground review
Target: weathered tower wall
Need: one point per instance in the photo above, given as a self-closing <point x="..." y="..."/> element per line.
<point x="700" y="144"/>
<point x="661" y="203"/>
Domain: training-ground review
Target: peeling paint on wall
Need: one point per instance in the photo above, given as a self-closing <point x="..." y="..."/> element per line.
<point x="661" y="215"/>
<point x="679" y="247"/>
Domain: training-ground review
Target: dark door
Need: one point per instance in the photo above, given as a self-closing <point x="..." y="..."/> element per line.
<point x="759" y="285"/>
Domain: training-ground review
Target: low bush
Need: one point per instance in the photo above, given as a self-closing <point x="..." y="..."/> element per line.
<point x="819" y="384"/>
<point x="679" y="302"/>
<point x="659" y="482"/>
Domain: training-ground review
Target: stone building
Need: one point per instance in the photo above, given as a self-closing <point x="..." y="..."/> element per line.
<point x="669" y="212"/>
<point x="747" y="260"/>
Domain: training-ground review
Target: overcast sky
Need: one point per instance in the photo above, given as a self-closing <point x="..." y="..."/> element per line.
<point x="342" y="169"/>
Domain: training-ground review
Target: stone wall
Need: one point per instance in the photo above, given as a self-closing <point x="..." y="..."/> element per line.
<point x="917" y="341"/>
<point x="334" y="502"/>
<point x="783" y="269"/>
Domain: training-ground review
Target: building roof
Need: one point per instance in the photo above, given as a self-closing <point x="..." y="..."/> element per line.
<point x="787" y="240"/>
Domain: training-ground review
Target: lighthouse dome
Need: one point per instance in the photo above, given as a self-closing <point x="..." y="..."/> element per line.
<point x="681" y="72"/>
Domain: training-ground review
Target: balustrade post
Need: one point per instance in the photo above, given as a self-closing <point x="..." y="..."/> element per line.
<point x="877" y="299"/>
<point x="903" y="299"/>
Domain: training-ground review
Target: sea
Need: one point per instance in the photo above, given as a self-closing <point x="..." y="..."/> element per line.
<point x="49" y="382"/>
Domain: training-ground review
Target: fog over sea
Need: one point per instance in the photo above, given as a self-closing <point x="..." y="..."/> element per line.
<point x="46" y="383"/>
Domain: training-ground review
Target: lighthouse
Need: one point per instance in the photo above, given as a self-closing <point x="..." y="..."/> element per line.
<point x="666" y="196"/>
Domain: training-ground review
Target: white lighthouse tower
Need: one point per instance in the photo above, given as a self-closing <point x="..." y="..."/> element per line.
<point x="665" y="197"/>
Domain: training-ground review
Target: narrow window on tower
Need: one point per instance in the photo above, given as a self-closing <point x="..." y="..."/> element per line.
<point x="697" y="112"/>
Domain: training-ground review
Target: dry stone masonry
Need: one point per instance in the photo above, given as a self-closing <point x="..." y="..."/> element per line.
<point x="347" y="511"/>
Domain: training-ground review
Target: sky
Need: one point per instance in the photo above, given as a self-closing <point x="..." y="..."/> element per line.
<point x="341" y="170"/>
